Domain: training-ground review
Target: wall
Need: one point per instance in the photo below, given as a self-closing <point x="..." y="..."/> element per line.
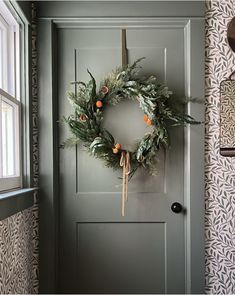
<point x="220" y="171"/>
<point x="18" y="254"/>
<point x="19" y="233"/>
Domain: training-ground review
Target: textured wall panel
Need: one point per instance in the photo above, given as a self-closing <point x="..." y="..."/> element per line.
<point x="35" y="149"/>
<point x="17" y="253"/>
<point x="227" y="114"/>
<point x="220" y="171"/>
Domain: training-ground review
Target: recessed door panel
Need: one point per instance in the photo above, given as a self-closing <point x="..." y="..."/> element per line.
<point x="111" y="255"/>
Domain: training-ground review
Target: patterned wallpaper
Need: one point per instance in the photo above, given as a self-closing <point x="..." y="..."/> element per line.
<point x="35" y="148"/>
<point x="227" y="113"/>
<point x="17" y="261"/>
<point x="19" y="234"/>
<point x="220" y="171"/>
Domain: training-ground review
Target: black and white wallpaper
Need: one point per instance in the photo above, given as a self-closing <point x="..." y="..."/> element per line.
<point x="220" y="171"/>
<point x="35" y="149"/>
<point x="227" y="114"/>
<point x="18" y="264"/>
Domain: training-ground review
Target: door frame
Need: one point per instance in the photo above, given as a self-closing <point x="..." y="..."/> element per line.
<point x="49" y="145"/>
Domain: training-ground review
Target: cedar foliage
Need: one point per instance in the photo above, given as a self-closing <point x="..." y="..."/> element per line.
<point x="156" y="100"/>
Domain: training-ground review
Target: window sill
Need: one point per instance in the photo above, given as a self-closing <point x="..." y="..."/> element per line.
<point x="15" y="201"/>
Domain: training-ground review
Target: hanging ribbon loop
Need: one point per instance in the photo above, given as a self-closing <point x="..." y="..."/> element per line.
<point x="125" y="156"/>
<point x="124" y="49"/>
<point x="125" y="163"/>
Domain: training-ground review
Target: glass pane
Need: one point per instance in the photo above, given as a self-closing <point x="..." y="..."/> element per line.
<point x="8" y="144"/>
<point x="1" y="55"/>
<point x="9" y="51"/>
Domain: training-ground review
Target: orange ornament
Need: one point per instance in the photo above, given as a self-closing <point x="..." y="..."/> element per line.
<point x="115" y="150"/>
<point x="118" y="146"/>
<point x="149" y="122"/>
<point x="99" y="104"/>
<point x="145" y="118"/>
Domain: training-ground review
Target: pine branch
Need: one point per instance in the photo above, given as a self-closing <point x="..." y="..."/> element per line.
<point x="158" y="103"/>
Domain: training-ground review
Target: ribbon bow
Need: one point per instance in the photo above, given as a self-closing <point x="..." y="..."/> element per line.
<point x="126" y="164"/>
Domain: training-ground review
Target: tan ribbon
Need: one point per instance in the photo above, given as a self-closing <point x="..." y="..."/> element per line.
<point x="124" y="49"/>
<point x="126" y="164"/>
<point x="125" y="156"/>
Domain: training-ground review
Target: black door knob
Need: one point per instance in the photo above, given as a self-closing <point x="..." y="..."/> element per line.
<point x="176" y="207"/>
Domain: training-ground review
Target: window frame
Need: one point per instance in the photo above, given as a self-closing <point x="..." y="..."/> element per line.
<point x="24" y="93"/>
<point x="10" y="27"/>
<point x="12" y="182"/>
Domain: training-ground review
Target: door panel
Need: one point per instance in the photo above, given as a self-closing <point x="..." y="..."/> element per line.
<point x="137" y="249"/>
<point x="100" y="251"/>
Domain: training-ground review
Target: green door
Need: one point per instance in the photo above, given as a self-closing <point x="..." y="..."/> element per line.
<point x="148" y="250"/>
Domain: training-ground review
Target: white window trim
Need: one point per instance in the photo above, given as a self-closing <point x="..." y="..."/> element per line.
<point x="11" y="183"/>
<point x="22" y="92"/>
<point x="26" y="115"/>
<point x="4" y="53"/>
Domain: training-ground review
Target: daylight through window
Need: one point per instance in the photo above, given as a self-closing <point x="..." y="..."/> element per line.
<point x="10" y="164"/>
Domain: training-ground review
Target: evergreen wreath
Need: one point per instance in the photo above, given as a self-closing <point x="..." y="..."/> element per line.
<point x="160" y="107"/>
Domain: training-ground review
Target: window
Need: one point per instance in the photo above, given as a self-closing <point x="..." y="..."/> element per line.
<point x="10" y="106"/>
